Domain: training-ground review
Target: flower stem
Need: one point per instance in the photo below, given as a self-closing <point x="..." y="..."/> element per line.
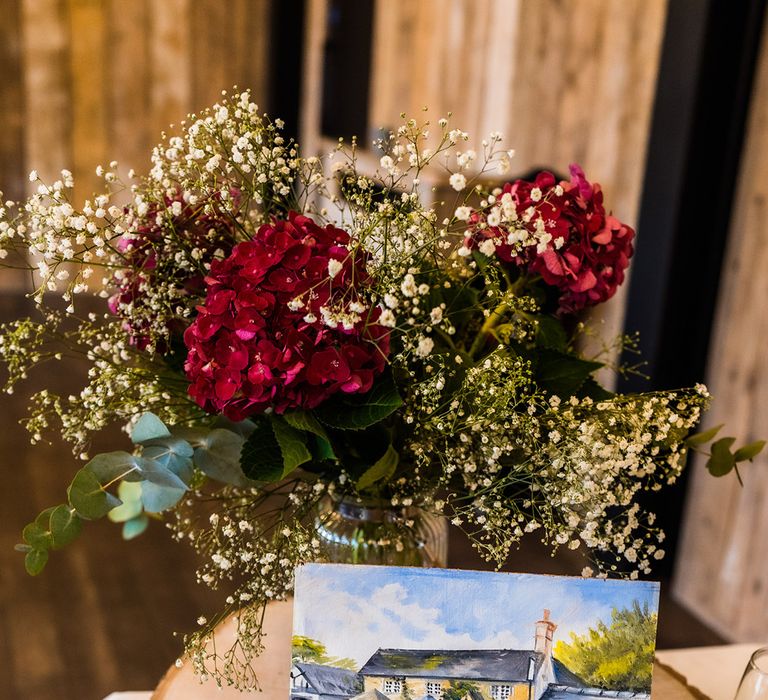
<point x="490" y="323"/>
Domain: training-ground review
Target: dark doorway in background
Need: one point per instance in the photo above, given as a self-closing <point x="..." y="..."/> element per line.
<point x="702" y="102"/>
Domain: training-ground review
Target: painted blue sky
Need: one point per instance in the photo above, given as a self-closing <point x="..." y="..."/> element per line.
<point x="354" y="610"/>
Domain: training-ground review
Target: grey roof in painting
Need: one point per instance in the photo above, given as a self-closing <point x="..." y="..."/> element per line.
<point x="564" y="676"/>
<point x="472" y="664"/>
<point x="565" y="692"/>
<point x="329" y="680"/>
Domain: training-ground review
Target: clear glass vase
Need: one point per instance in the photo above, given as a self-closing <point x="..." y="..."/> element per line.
<point x="356" y="531"/>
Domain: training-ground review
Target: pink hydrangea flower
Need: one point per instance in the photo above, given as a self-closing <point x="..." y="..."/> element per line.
<point x="282" y="325"/>
<point x="587" y="251"/>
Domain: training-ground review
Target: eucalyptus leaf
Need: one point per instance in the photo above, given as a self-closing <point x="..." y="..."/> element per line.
<point x="109" y="466"/>
<point x="37" y="536"/>
<point x="748" y="452"/>
<point x="382" y="470"/>
<point x="65" y="526"/>
<point x="160" y="475"/>
<point x="173" y="454"/>
<point x="360" y="412"/>
<point x="218" y="457"/>
<point x="88" y="497"/>
<point x="35" y="561"/>
<point x="292" y="444"/>
<point x="721" y="460"/>
<point x="130" y="495"/>
<point x="134" y="527"/>
<point x="157" y="497"/>
<point x="149" y="427"/>
<point x="703" y="437"/>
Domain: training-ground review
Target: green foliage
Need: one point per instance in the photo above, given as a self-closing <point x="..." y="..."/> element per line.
<point x="382" y="470"/>
<point x="151" y="481"/>
<point x="561" y="373"/>
<point x="54" y="528"/>
<point x="362" y="410"/>
<point x="615" y="656"/>
<point x="458" y="690"/>
<point x="308" y="650"/>
<point x="722" y="458"/>
<point x="273" y="450"/>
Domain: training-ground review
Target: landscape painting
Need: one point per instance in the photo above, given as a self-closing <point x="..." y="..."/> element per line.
<point x="397" y="633"/>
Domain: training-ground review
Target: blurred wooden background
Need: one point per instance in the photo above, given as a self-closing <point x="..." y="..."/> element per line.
<point x="88" y="81"/>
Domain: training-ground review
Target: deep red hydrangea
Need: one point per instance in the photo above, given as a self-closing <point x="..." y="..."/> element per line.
<point x="586" y="251"/>
<point x="149" y="251"/>
<point x="285" y="323"/>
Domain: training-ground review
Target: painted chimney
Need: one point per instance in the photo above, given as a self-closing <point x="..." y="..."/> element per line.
<point x="545" y="632"/>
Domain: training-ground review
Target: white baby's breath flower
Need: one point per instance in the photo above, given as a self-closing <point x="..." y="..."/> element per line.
<point x="458" y="181"/>
<point x="334" y="267"/>
<point x="463" y="213"/>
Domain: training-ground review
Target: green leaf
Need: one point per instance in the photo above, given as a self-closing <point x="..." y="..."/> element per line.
<point x="88" y="498"/>
<point x="108" y="466"/>
<point x="129" y="493"/>
<point x="37" y="536"/>
<point x="721" y="460"/>
<point x="594" y="390"/>
<point x="382" y="470"/>
<point x="35" y="561"/>
<point x="173" y="454"/>
<point x="550" y="333"/>
<point x="261" y="458"/>
<point x="359" y="412"/>
<point x="65" y="526"/>
<point x="563" y="374"/>
<point x="149" y="427"/>
<point x="322" y="450"/>
<point x="703" y="437"/>
<point x="292" y="445"/>
<point x="157" y="497"/>
<point x="134" y="527"/>
<point x="218" y="457"/>
<point x="160" y="475"/>
<point x="304" y="420"/>
<point x="749" y="451"/>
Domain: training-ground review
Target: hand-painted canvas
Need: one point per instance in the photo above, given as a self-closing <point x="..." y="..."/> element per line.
<point x="397" y="633"/>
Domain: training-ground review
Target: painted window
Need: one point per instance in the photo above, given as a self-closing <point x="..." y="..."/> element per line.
<point x="501" y="692"/>
<point x="394" y="686"/>
<point x="435" y="690"/>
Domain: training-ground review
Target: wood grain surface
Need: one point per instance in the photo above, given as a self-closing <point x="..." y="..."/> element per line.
<point x="563" y="81"/>
<point x="723" y="560"/>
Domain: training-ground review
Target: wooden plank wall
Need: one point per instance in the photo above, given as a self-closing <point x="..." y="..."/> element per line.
<point x="722" y="569"/>
<point x="563" y="80"/>
<point x="90" y="81"/>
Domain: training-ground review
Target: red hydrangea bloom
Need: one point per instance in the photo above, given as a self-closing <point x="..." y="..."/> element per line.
<point x="584" y="251"/>
<point x="149" y="252"/>
<point x="285" y="323"/>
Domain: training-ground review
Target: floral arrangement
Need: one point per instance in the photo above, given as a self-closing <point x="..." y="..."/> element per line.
<point x="279" y="330"/>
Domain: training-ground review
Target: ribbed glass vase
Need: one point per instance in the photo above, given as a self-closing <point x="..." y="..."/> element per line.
<point x="355" y="531"/>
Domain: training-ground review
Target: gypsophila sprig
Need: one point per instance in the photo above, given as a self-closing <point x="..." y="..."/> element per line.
<point x="281" y="331"/>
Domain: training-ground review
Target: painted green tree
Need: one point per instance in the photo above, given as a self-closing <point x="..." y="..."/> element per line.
<point x="307" y="650"/>
<point x="615" y="656"/>
<point x="459" y="690"/>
